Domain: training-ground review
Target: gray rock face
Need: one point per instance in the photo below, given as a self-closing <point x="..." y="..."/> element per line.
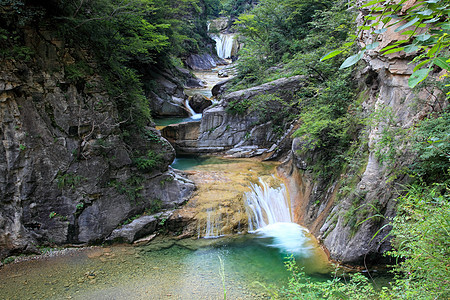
<point x="220" y="87"/>
<point x="203" y="62"/>
<point x="66" y="173"/>
<point x="221" y="129"/>
<point x="167" y="99"/>
<point x="219" y="24"/>
<point x="183" y="137"/>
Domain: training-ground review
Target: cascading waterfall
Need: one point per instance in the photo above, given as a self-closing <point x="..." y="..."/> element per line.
<point x="226" y="45"/>
<point x="192" y="113"/>
<point x="266" y="205"/>
<point x="269" y="216"/>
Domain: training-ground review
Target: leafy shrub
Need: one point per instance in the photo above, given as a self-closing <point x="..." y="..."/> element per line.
<point x="421" y="243"/>
<point x="149" y="161"/>
<point x="303" y="287"/>
<point x="432" y="144"/>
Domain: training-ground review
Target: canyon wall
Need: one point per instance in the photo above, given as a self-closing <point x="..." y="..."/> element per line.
<point x="350" y="215"/>
<point x="68" y="169"/>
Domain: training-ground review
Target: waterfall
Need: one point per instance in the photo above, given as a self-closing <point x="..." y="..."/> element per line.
<point x="269" y="216"/>
<point x="266" y="205"/>
<point x="226" y="45"/>
<point x="192" y="113"/>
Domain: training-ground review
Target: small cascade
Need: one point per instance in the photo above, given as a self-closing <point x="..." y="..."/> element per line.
<point x="269" y="216"/>
<point x="266" y="205"/>
<point x="192" y="113"/>
<point x="226" y="45"/>
<point x="213" y="225"/>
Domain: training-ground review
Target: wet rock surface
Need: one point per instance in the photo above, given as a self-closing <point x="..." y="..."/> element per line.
<point x="199" y="103"/>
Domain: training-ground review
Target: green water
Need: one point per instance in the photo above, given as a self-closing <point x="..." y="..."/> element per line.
<point x="170" y="121"/>
<point x="186" y="269"/>
<point x="191" y="161"/>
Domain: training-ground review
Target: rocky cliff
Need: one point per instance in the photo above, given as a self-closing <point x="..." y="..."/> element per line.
<point x="350" y="215"/>
<point x="69" y="171"/>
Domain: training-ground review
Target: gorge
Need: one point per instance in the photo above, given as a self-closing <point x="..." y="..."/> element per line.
<point x="206" y="158"/>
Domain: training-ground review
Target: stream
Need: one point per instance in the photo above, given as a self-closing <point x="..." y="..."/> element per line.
<point x="243" y="264"/>
<point x="244" y="235"/>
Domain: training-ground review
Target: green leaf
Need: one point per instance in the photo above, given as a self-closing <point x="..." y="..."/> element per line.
<point x="410" y="23"/>
<point x="372" y="2"/>
<point x="382" y="30"/>
<point x="417" y="77"/>
<point x="388" y="47"/>
<point x="411" y="48"/>
<point x="350" y="61"/>
<point x="427" y="12"/>
<point x="432" y="20"/>
<point x="423" y="37"/>
<point x="433" y="49"/>
<point x="421" y="64"/>
<point x="408" y="32"/>
<point x="372" y="46"/>
<point x="442" y="62"/>
<point x="331" y="54"/>
<point x="394" y="50"/>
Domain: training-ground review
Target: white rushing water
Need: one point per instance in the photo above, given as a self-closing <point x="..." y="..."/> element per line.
<point x="192" y="113"/>
<point x="269" y="216"/>
<point x="226" y="45"/>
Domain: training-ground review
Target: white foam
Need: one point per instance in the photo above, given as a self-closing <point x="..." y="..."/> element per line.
<point x="288" y="237"/>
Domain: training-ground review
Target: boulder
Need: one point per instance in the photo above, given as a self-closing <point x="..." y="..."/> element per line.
<point x="283" y="88"/>
<point x="138" y="228"/>
<point x="223" y="73"/>
<point x="199" y="103"/>
<point x="220" y="87"/>
<point x="219" y="24"/>
<point x="194" y="83"/>
<point x="203" y="62"/>
<point x="69" y="172"/>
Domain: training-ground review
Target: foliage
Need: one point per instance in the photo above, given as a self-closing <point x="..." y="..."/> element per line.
<point x="234" y="8"/>
<point x="288" y="38"/>
<point x="77" y="71"/>
<point x="69" y="180"/>
<point x="421" y="232"/>
<point x="213" y="8"/>
<point x="277" y="27"/>
<point x="302" y="287"/>
<point x="421" y="243"/>
<point x="432" y="144"/>
<point x="149" y="161"/>
<point x="425" y="25"/>
<point x="132" y="187"/>
<point x="127" y="37"/>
